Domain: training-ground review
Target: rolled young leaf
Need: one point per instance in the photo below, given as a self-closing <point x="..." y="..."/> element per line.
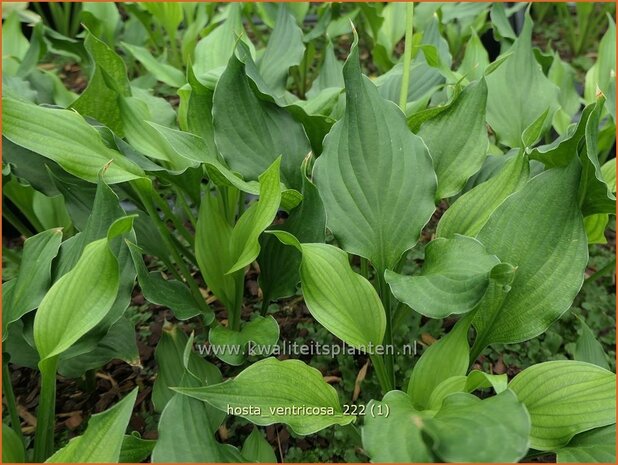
<point x="375" y="177"/>
<point x="564" y="398"/>
<point x="300" y="398"/>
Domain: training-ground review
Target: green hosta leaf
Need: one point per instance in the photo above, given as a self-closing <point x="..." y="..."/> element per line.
<point x="99" y="99"/>
<point x="390" y="33"/>
<point x="400" y="429"/>
<point x="102" y="440"/>
<point x="160" y="291"/>
<point x="519" y="91"/>
<point x="253" y="395"/>
<point x="471" y="211"/>
<point x="161" y="71"/>
<point x="239" y="115"/>
<point x="231" y="346"/>
<point x="279" y="265"/>
<point x="28" y="289"/>
<point x="135" y="449"/>
<point x="594" y="446"/>
<point x="168" y="14"/>
<point x="257" y="449"/>
<point x="457" y="139"/>
<point x="78" y="301"/>
<point x="565" y="398"/>
<point x="449" y="356"/>
<point x="331" y="72"/>
<point x="374" y="176"/>
<point x="475" y="59"/>
<point x="184" y="435"/>
<point x="12" y="447"/>
<point x="103" y="18"/>
<point x="244" y="244"/>
<point x="341" y="300"/>
<point x="607" y="67"/>
<point x="595" y="195"/>
<point x="170" y="357"/>
<point x="64" y="137"/>
<point x="588" y="348"/>
<point x="454" y="278"/>
<point x="285" y="49"/>
<point x="118" y="344"/>
<point x="212" y="251"/>
<point x="215" y="50"/>
<point x="563" y="75"/>
<point x="467" y="429"/>
<point x="549" y="274"/>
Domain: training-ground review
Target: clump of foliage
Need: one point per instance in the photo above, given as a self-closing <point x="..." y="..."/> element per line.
<point x="211" y="138"/>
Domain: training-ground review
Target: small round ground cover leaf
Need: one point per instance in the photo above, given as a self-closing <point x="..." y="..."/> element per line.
<point x="564" y="398"/>
<point x="273" y="391"/>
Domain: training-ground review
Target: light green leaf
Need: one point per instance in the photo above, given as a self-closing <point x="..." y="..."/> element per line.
<point x="594" y="446"/>
<point x="161" y="71"/>
<point x="64" y="137"/>
<point x="169" y="14"/>
<point x="341" y="300"/>
<point x="107" y="79"/>
<point x="233" y="347"/>
<point x="285" y="49"/>
<point x="257" y="449"/>
<point x="34" y="277"/>
<point x="102" y="440"/>
<point x="105" y="16"/>
<point x="588" y="348"/>
<point x="212" y="251"/>
<point x="457" y="139"/>
<point x="564" y="398"/>
<point x="563" y="75"/>
<point x="244" y="244"/>
<point x="215" y="50"/>
<point x="12" y="447"/>
<point x="449" y="356"/>
<point x="607" y="67"/>
<point x="375" y="177"/>
<point x="239" y="114"/>
<point x="454" y="278"/>
<point x="253" y="395"/>
<point x="474" y="380"/>
<point x="519" y="91"/>
<point x="549" y="274"/>
<point x="400" y="429"/>
<point x="78" y="301"/>
<point x="331" y="72"/>
<point x="467" y="429"/>
<point x="470" y="212"/>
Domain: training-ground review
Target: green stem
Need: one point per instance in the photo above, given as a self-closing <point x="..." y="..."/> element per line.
<point x="16" y="222"/>
<point x="7" y="389"/>
<point x="46" y="412"/>
<point x="385" y="295"/>
<point x="166" y="236"/>
<point x="364" y="268"/>
<point x="407" y="57"/>
<point x="185" y="207"/>
<point x="608" y="267"/>
<point x="167" y="211"/>
<point x="383" y="378"/>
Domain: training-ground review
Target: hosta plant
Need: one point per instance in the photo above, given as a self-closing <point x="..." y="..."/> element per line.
<point x="213" y="141"/>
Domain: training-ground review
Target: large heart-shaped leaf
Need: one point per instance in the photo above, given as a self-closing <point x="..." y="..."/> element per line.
<point x="375" y="177"/>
